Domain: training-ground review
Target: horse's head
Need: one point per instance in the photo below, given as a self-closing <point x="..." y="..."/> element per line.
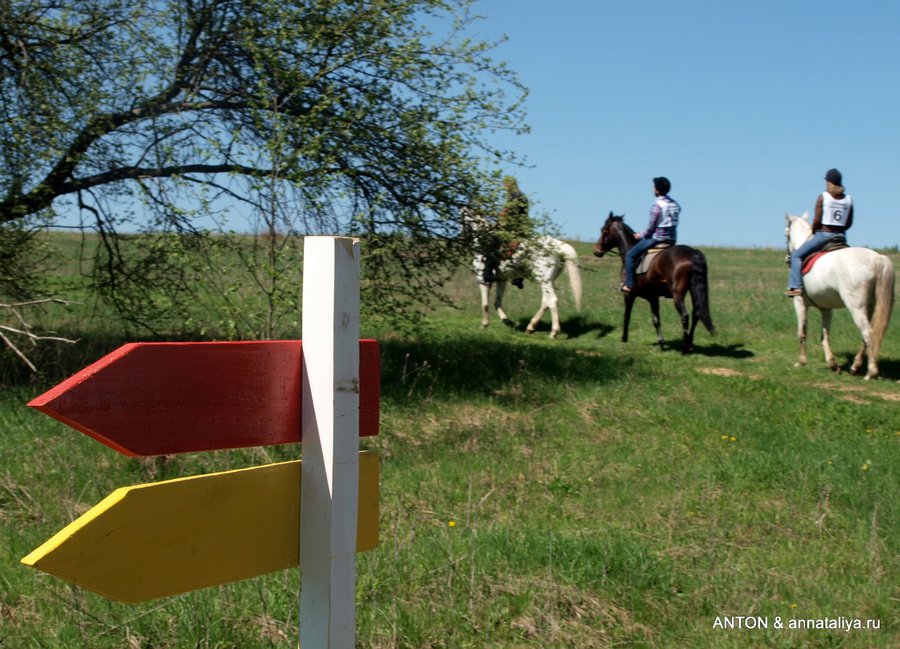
<point x="798" y="231"/>
<point x="608" y="239"/>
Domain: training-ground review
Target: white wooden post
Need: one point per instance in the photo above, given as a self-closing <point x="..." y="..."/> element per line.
<point x="330" y="467"/>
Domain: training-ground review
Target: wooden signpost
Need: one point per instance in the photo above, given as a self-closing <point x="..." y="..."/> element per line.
<point x="156" y="540"/>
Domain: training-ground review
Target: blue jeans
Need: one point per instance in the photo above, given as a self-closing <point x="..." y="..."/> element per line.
<point x="631" y="258"/>
<point x="817" y="242"/>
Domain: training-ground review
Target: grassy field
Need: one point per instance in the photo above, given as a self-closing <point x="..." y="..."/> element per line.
<point x="571" y="493"/>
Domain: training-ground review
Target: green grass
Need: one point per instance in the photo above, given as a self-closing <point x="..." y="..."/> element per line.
<point x="571" y="493"/>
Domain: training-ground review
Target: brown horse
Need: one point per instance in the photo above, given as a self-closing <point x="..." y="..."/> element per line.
<point x="673" y="273"/>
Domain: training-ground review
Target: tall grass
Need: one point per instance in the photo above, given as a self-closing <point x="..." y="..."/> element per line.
<point x="535" y="493"/>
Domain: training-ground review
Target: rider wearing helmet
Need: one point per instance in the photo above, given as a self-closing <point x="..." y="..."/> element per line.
<point x="662" y="227"/>
<point x="834" y="216"/>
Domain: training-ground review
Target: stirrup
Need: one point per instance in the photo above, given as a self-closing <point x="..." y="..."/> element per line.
<point x="624" y="289"/>
<point x="794" y="292"/>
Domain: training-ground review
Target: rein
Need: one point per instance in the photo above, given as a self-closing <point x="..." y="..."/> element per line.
<point x="621" y="234"/>
<point x="787" y="245"/>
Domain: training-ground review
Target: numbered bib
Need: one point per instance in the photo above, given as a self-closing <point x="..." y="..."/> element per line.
<point x="834" y="211"/>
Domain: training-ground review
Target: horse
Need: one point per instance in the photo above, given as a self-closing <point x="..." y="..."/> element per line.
<point x="859" y="279"/>
<point x="541" y="259"/>
<point x="673" y="273"/>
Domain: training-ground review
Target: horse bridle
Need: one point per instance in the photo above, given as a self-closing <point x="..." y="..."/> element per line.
<point x="613" y="251"/>
<point x="787" y="245"/>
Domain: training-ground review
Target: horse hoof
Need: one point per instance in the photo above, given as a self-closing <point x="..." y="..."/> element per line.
<point x="553" y="335"/>
<point x="529" y="330"/>
<point x="509" y="323"/>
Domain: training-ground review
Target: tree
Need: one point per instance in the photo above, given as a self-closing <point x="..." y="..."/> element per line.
<point x="176" y="117"/>
<point x="25" y="259"/>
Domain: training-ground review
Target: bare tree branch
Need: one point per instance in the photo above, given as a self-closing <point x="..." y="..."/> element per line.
<point x="32" y="337"/>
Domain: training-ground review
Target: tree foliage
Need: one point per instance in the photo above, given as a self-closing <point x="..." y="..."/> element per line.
<point x="186" y="118"/>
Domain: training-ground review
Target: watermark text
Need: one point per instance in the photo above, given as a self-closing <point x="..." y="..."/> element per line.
<point x="753" y="622"/>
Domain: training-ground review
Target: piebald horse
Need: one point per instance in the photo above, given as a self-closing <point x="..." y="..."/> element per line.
<point x="674" y="272"/>
<point x="859" y="279"/>
<point x="542" y="260"/>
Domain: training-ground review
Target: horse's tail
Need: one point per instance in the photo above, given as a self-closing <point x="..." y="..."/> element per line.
<point x="700" y="290"/>
<point x="571" y="259"/>
<point x="884" y="302"/>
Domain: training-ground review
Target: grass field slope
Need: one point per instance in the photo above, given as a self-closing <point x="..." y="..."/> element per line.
<point x="579" y="492"/>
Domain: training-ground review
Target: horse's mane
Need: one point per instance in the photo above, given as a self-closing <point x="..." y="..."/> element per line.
<point x="803" y="219"/>
<point x="621" y="219"/>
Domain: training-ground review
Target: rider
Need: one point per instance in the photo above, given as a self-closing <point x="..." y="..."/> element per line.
<point x="513" y="226"/>
<point x="834" y="216"/>
<point x="663" y="223"/>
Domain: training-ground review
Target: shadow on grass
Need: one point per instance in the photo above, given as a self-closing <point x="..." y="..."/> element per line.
<point x="888" y="368"/>
<point x="472" y="365"/>
<point x="729" y="351"/>
<point x="461" y="365"/>
<point x="572" y="327"/>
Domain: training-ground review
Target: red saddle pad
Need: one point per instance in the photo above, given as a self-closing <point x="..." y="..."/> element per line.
<point x="809" y="261"/>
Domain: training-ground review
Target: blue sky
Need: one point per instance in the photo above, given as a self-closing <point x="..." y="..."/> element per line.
<point x="743" y="105"/>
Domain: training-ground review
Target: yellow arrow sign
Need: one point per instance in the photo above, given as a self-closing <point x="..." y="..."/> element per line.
<point x="156" y="540"/>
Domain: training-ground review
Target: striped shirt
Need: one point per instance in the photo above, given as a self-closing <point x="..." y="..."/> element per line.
<point x="663" y="220"/>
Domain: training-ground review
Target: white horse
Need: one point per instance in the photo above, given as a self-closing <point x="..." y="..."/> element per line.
<point x="856" y="278"/>
<point x="541" y="260"/>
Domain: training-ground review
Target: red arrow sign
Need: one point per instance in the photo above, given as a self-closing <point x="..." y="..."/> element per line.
<point x="163" y="398"/>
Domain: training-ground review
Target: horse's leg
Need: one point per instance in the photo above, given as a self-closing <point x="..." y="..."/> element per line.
<point x="687" y="337"/>
<point x="498" y="303"/>
<point x="858" y="361"/>
<point x="800" y="308"/>
<point x="693" y="325"/>
<point x="554" y="313"/>
<point x="860" y="317"/>
<point x="654" y="309"/>
<point x="485" y="304"/>
<point x="548" y="301"/>
<point x="826" y="340"/>
<point x="629" y="303"/>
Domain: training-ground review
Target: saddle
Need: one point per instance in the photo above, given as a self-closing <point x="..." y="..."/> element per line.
<point x="835" y="243"/>
<point x="643" y="264"/>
